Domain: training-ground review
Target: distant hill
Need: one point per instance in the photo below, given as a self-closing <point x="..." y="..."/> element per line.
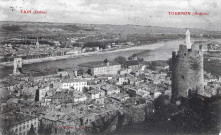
<point x="134" y="29"/>
<point x="14" y="29"/>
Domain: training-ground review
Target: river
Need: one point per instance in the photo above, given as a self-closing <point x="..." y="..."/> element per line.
<point x="157" y="51"/>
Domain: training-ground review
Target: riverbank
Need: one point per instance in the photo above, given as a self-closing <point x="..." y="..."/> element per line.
<point x="54" y="58"/>
<point x="157" y="51"/>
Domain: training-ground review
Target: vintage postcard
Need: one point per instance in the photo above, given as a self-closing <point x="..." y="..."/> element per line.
<point x="103" y="67"/>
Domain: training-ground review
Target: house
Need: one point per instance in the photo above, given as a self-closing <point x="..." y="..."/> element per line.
<point x="157" y="94"/>
<point x="142" y="92"/>
<point x="62" y="73"/>
<point x="62" y="96"/>
<point x="132" y="64"/>
<point x="119" y="97"/>
<point x="110" y="89"/>
<point x="102" y="67"/>
<point x="12" y="100"/>
<point x="124" y="71"/>
<point x="20" y="123"/>
<point x="79" y="97"/>
<point x="143" y="67"/>
<point x="135" y="73"/>
<point x="94" y="94"/>
<point x="76" y="84"/>
<point x="132" y="80"/>
<point x="122" y="80"/>
<point x="41" y="92"/>
<point x="78" y="72"/>
<point x="73" y="52"/>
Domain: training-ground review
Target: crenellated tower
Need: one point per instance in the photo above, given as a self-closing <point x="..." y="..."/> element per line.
<point x="187" y="70"/>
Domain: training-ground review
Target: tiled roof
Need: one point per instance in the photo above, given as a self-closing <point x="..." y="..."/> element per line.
<point x="109" y="87"/>
<point x="73" y="80"/>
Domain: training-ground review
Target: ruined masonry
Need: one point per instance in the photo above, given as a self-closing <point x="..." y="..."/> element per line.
<point x="187" y="69"/>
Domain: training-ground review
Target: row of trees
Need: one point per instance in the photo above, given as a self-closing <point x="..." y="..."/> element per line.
<point x="123" y="60"/>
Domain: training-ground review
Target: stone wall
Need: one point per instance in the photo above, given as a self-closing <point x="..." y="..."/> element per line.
<point x="187" y="71"/>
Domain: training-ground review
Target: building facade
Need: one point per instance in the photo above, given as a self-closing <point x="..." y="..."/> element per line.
<point x="22" y="124"/>
<point x="76" y="84"/>
<point x="42" y="93"/>
<point x="113" y="69"/>
<point x="102" y="67"/>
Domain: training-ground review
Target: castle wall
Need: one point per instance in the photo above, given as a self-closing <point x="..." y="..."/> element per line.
<point x="187" y="71"/>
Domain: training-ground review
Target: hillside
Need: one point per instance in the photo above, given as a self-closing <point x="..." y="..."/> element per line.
<point x="18" y="29"/>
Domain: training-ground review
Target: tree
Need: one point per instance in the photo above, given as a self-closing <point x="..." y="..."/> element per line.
<point x="60" y="69"/>
<point x="121" y="60"/>
<point x="152" y="66"/>
<point x="162" y="105"/>
<point x="140" y="59"/>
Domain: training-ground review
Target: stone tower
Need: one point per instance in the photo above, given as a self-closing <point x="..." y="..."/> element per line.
<point x="17" y="65"/>
<point x="187" y="70"/>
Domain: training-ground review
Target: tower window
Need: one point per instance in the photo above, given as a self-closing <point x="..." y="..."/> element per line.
<point x="184" y="54"/>
<point x="189" y="92"/>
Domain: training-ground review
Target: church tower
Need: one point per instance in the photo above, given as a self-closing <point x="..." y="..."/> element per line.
<point x="37" y="44"/>
<point x="187" y="70"/>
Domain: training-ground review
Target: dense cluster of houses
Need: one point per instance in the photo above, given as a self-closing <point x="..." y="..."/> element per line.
<point x="77" y="99"/>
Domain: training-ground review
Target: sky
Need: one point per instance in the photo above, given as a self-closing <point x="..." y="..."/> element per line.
<point x="117" y="12"/>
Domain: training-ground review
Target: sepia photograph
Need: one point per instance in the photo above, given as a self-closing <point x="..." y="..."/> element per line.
<point x="110" y="67"/>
